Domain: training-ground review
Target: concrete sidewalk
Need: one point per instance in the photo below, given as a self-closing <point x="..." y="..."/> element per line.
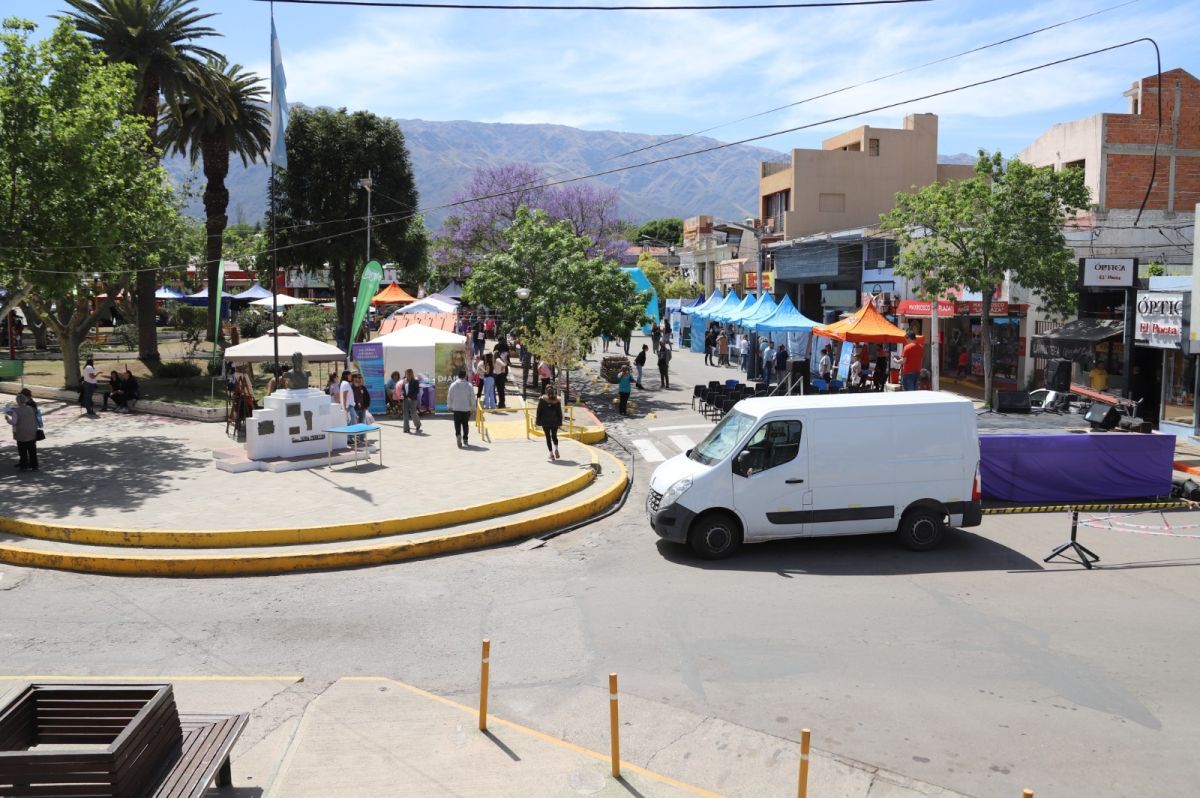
<point x="366" y="737"/>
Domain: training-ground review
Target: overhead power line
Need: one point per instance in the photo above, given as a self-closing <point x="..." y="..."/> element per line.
<point x="615" y="170"/>
<point x="530" y="7"/>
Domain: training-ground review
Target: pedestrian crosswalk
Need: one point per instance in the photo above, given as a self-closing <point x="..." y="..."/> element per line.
<point x="663" y="443"/>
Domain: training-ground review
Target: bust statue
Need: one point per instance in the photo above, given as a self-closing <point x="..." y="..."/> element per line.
<point x="299" y="377"/>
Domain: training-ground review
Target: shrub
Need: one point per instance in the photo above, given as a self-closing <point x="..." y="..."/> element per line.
<point x="308" y="320"/>
<point x="87" y="349"/>
<point x="178" y="370"/>
<point x="126" y="335"/>
<point x="251" y="323"/>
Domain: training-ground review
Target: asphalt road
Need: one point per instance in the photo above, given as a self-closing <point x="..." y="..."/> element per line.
<point x="974" y="667"/>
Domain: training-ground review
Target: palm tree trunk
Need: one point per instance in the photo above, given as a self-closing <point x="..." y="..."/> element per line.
<point x="147" y="279"/>
<point x="216" y="201"/>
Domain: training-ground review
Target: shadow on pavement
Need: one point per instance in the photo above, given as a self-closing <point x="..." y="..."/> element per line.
<point x="79" y="478"/>
<point x="860" y="555"/>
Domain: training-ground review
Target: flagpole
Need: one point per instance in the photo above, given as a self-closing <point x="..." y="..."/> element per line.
<point x="274" y="213"/>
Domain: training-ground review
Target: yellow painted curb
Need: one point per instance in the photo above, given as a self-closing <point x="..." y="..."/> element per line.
<point x="243" y="538"/>
<point x="253" y="564"/>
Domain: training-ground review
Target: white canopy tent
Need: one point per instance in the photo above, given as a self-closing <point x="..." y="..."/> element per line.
<point x="412" y="347"/>
<point x="282" y="300"/>
<point x="428" y="305"/>
<point x="262" y="349"/>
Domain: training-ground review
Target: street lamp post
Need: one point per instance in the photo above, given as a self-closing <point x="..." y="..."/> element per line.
<point x="368" y="184"/>
<point x="523" y="294"/>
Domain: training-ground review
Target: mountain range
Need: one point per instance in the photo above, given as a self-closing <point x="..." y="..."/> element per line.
<point x="721" y="182"/>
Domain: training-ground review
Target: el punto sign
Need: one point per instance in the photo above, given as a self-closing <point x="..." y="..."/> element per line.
<point x="1109" y="272"/>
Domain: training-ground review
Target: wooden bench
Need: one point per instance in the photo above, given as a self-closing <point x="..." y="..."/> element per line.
<point x="111" y="741"/>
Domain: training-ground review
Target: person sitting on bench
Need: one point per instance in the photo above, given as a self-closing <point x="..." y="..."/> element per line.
<point x="132" y="392"/>
<point x="116" y="392"/>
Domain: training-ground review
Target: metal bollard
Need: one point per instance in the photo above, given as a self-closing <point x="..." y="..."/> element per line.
<point x="802" y="789"/>
<point x="483" y="685"/>
<point x="612" y="725"/>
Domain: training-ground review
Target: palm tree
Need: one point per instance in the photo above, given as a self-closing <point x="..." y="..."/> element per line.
<point x="156" y="37"/>
<point x="233" y="119"/>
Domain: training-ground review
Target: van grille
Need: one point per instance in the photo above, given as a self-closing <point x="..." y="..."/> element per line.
<point x="653" y="499"/>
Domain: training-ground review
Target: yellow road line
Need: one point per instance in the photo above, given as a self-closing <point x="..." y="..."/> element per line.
<point x="578" y="749"/>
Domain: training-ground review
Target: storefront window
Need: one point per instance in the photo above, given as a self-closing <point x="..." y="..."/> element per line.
<point x="1179" y="382"/>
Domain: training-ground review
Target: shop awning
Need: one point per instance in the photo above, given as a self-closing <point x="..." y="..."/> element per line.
<point x="1076" y="339"/>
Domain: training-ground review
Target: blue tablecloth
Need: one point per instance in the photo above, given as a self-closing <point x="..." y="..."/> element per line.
<point x="1069" y="467"/>
<point x="352" y="429"/>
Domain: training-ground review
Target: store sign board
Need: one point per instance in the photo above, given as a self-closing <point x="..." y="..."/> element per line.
<point x="752" y="281"/>
<point x="728" y="272"/>
<point x="1109" y="272"/>
<point x="1158" y="319"/>
<point x="924" y="308"/>
<point x="999" y="308"/>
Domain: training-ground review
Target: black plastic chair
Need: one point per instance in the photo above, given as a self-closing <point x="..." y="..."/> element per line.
<point x="698" y="393"/>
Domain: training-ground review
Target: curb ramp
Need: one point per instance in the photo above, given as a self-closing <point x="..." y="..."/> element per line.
<point x="604" y="481"/>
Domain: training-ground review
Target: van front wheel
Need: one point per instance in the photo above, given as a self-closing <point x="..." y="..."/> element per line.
<point x="922" y="528"/>
<point x="715" y="536"/>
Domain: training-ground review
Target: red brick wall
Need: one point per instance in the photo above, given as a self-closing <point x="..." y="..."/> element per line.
<point x="1127" y="175"/>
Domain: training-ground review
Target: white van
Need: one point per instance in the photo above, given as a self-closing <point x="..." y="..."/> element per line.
<point x="800" y="466"/>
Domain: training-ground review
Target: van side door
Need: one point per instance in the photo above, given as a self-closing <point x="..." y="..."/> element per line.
<point x="770" y="480"/>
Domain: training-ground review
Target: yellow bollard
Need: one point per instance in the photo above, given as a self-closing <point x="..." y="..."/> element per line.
<point x="612" y="725"/>
<point x="802" y="790"/>
<point x="483" y="685"/>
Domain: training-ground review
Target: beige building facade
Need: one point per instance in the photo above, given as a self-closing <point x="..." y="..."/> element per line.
<point x="853" y="178"/>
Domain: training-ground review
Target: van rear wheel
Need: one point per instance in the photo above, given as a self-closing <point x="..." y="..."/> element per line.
<point x="715" y="536"/>
<point x="922" y="528"/>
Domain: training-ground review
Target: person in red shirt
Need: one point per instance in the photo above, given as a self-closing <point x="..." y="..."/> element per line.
<point x="913" y="356"/>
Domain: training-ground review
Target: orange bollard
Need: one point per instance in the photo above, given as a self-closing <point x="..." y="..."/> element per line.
<point x="612" y="725"/>
<point x="1027" y="793"/>
<point x="802" y="789"/>
<point x="483" y="685"/>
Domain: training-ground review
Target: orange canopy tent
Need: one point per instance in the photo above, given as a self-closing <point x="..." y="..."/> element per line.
<point x="866" y="326"/>
<point x="393" y="295"/>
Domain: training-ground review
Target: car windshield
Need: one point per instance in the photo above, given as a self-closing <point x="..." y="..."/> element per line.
<point x="720" y="442"/>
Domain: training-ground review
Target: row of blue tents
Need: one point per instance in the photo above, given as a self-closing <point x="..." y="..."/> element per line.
<point x="760" y="314"/>
<point x="252" y="293"/>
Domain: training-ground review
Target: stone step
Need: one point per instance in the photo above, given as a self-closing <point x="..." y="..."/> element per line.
<point x="604" y="491"/>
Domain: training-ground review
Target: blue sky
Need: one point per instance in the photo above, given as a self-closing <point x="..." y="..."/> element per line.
<point x="677" y="72"/>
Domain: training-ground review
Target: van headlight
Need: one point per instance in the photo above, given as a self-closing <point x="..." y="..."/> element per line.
<point x="675" y="491"/>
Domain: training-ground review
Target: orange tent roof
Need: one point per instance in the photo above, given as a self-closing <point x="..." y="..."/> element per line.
<point x="393" y="295"/>
<point x="866" y="326"/>
<point x="439" y="321"/>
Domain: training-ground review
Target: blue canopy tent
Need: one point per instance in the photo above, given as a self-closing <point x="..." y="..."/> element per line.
<point x="790" y="326"/>
<point x="727" y="314"/>
<point x="762" y="309"/>
<point x="701" y="315"/>
<point x="739" y="318"/>
<point x="642" y="283"/>
<point x="252" y="293"/>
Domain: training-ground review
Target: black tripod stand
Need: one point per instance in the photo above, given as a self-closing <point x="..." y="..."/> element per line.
<point x="1085" y="556"/>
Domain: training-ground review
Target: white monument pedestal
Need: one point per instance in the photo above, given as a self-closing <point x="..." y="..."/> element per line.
<point x="290" y="423"/>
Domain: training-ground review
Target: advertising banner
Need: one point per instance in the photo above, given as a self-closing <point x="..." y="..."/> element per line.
<point x="768" y="281"/>
<point x="368" y="286"/>
<point x="1159" y="319"/>
<point x="369" y="358"/>
<point x="448" y="360"/>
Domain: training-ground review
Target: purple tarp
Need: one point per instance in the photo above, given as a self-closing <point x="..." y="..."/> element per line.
<point x="1063" y="467"/>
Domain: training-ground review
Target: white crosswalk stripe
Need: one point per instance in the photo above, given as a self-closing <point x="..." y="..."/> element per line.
<point x="682" y="442"/>
<point x="649" y="452"/>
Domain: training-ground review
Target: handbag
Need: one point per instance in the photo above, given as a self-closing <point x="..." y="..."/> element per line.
<point x="368" y="418"/>
<point x="41" y="435"/>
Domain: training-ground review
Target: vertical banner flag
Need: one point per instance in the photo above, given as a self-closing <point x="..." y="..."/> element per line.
<point x="369" y="359"/>
<point x="368" y="287"/>
<point x="217" y="298"/>
<point x="279" y="109"/>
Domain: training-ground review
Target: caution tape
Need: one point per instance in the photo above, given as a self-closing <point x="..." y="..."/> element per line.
<point x="1059" y="508"/>
<point x="1142" y="530"/>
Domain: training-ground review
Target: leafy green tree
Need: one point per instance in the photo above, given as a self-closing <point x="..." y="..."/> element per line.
<point x="562" y="340"/>
<point x="73" y="177"/>
<point x="552" y="261"/>
<point x="226" y="116"/>
<point x="158" y="39"/>
<point x="668" y="231"/>
<point x="327" y="151"/>
<point x="1007" y="220"/>
<point x="683" y="288"/>
<point x="308" y="320"/>
<point x="244" y="244"/>
<point x="655" y="272"/>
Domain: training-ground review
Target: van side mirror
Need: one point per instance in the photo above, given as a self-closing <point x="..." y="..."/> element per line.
<point x="741" y="464"/>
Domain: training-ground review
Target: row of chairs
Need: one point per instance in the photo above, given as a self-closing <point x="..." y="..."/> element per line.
<point x="716" y="399"/>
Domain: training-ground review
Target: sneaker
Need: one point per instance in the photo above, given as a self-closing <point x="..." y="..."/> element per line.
<point x="556" y="454"/>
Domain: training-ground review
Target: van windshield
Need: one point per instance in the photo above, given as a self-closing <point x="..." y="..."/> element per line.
<point x="724" y="437"/>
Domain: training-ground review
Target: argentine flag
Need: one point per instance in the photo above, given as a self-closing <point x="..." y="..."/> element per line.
<point x="279" y="109"/>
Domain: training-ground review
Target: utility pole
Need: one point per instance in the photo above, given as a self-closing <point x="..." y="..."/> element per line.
<point x="368" y="184"/>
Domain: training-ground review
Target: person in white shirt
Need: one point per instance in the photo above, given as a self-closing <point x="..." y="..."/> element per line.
<point x="89" y="387"/>
<point x="744" y="350"/>
<point x="346" y="398"/>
